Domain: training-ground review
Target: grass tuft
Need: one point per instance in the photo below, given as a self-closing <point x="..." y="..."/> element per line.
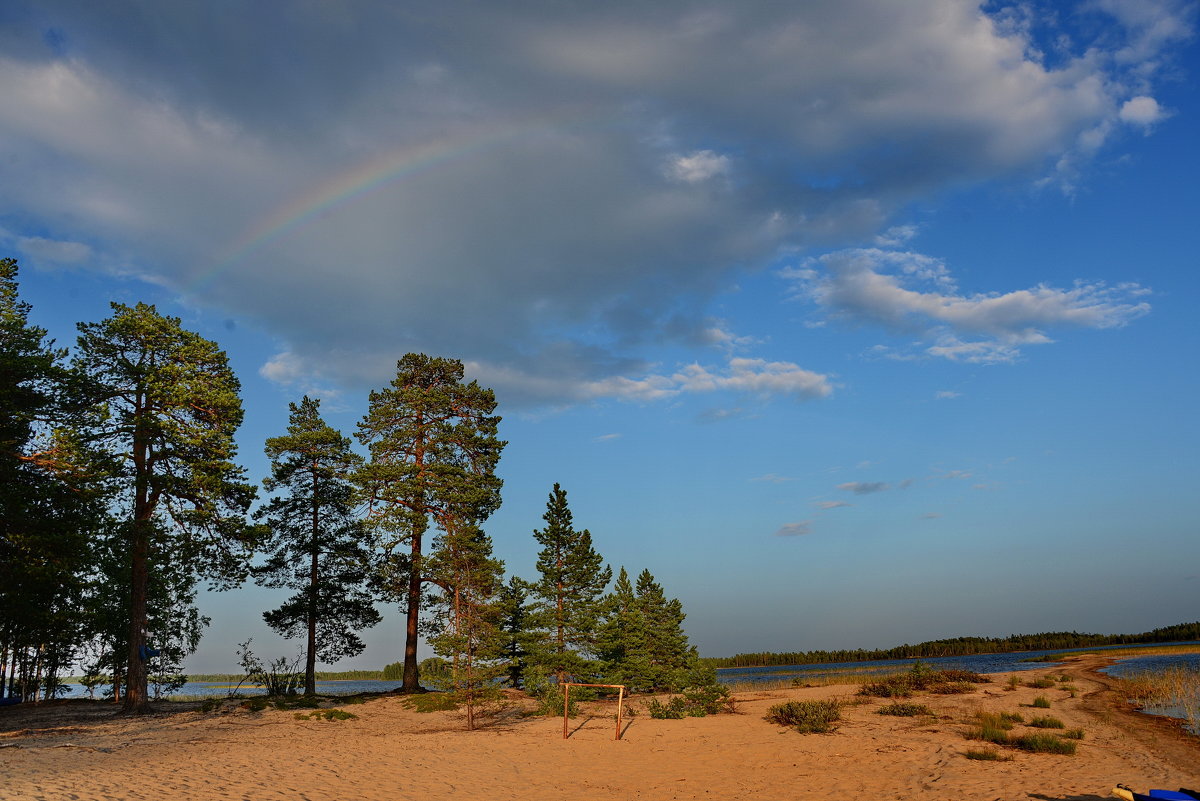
<point x="1041" y="702"/>
<point x="1072" y="734"/>
<point x="987" y="755"/>
<point x="1044" y="744"/>
<point x="327" y="714"/>
<point x="1047" y="722"/>
<point x="1044" y="683"/>
<point x="904" y="710"/>
<point x="806" y="716"/>
<point x="437" y="702"/>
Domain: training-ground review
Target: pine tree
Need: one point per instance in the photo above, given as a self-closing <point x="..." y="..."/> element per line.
<point x="569" y="590"/>
<point x="51" y="503"/>
<point x="467" y="613"/>
<point x="166" y="409"/>
<point x="316" y="545"/>
<point x="434" y="452"/>
<point x="643" y="644"/>
<point x="521" y="640"/>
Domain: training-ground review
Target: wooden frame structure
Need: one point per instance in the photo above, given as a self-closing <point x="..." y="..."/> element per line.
<point x="567" y="703"/>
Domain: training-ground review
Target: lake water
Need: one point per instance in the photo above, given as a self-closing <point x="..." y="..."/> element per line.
<point x="1157" y="664"/>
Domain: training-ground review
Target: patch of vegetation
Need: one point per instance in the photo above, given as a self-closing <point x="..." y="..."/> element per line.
<point x="256" y="704"/>
<point x="712" y="699"/>
<point x="806" y="716"/>
<point x="303" y="702"/>
<point x="1072" y="734"/>
<point x="904" y="710"/>
<point x="1012" y="717"/>
<point x="987" y="755"/>
<point x="327" y="714"/>
<point x="1014" y="681"/>
<point x="1043" y="683"/>
<point x="673" y="709"/>
<point x="211" y="705"/>
<point x="921" y="679"/>
<point x="439" y="702"/>
<point x="1044" y="744"/>
<point x="1041" y="702"/>
<point x="1047" y="722"/>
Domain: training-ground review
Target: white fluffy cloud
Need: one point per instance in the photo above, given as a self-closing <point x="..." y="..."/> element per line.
<point x="795" y="529"/>
<point x="1142" y="110"/>
<point x="911" y="293"/>
<point x="532" y="176"/>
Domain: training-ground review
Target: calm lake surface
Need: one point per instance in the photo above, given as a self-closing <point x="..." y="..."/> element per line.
<point x="980" y="663"/>
<point x="1157" y="664"/>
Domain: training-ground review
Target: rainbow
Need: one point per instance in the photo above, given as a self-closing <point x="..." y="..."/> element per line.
<point x="359" y="181"/>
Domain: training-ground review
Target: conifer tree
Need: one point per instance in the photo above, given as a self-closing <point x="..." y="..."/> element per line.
<point x="434" y="452"/>
<point x="166" y="409"/>
<point x="52" y="503"/>
<point x="316" y="545"/>
<point x="642" y="642"/>
<point x="569" y="590"/>
<point x="521" y="640"/>
<point x="465" y="629"/>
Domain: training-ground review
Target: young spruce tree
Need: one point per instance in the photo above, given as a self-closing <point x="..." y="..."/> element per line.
<point x="465" y="630"/>
<point x="642" y="642"/>
<point x="166" y="408"/>
<point x="316" y="544"/>
<point x="434" y="452"/>
<point x="569" y="591"/>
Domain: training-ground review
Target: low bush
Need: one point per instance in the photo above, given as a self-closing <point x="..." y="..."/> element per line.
<point x="440" y="702"/>
<point x="806" y="716"/>
<point x="327" y="714"/>
<point x="1072" y="734"/>
<point x="1041" y="702"/>
<point x="1044" y="744"/>
<point x="1047" y="722"/>
<point x="920" y="679"/>
<point x="904" y="710"/>
<point x="674" y="709"/>
<point x="1043" y="683"/>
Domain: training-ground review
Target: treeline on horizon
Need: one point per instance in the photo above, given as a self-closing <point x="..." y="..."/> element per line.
<point x="960" y="646"/>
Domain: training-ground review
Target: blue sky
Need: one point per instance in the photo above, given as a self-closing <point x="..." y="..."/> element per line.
<point x="856" y="323"/>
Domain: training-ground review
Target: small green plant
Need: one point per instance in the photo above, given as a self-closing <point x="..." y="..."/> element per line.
<point x="303" y="702"/>
<point x="1044" y="744"/>
<point x="1064" y="677"/>
<point x="710" y="699"/>
<point x="674" y="709"/>
<point x="1014" y="681"/>
<point x="256" y="704"/>
<point x="922" y="678"/>
<point x="1047" y="722"/>
<point x="211" y="705"/>
<point x="806" y="716"/>
<point x="904" y="710"/>
<point x="991" y="727"/>
<point x="1041" y="702"/>
<point x="987" y="755"/>
<point x="1043" y="683"/>
<point x="327" y="714"/>
<point x="1072" y="734"/>
<point x="440" y="702"/>
<point x="1012" y="717"/>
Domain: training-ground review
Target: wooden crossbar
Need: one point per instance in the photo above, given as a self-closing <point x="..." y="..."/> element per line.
<point x="567" y="703"/>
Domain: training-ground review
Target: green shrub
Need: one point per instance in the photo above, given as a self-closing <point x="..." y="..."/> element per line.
<point x="711" y="699"/>
<point x="963" y="675"/>
<point x="674" y="709"/>
<point x="1047" y="722"/>
<point x="327" y="714"/>
<point x="922" y="678"/>
<point x="211" y="705"/>
<point x="1072" y="734"/>
<point x="439" y="702"/>
<point x="1014" y="681"/>
<point x="991" y="727"/>
<point x="1011" y="717"/>
<point x="806" y="716"/>
<point x="1041" y="702"/>
<point x="987" y="755"/>
<point x="1044" y="744"/>
<point x="904" y="710"/>
<point x="1045" y="682"/>
<point x="256" y="704"/>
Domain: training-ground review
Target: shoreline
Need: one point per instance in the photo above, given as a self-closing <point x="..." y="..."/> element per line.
<point x="388" y="751"/>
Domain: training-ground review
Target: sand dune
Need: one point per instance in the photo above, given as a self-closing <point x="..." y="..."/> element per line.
<point x="391" y="752"/>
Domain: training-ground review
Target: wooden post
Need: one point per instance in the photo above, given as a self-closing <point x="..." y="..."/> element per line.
<point x="620" y="703"/>
<point x="566" y="706"/>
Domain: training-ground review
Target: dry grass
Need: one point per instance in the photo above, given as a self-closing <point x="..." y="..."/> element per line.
<point x="1177" y="687"/>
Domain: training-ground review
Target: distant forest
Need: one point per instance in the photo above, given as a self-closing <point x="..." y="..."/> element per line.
<point x="961" y="646"/>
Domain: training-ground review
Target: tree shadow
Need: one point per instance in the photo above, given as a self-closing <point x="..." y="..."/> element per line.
<point x="1089" y="797"/>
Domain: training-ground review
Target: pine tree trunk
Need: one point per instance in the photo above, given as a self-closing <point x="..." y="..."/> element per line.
<point x="310" y="660"/>
<point x="139" y="532"/>
<point x="411" y="679"/>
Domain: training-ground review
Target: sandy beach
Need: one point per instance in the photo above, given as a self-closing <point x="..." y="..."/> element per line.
<point x="73" y="751"/>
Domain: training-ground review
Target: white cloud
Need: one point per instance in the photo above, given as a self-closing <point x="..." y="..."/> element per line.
<point x="772" y="478"/>
<point x="1143" y="111"/>
<point x="606" y="437"/>
<point x="915" y="294"/>
<point x="895" y="236"/>
<point x="698" y="166"/>
<point x="594" y="172"/>
<point x="864" y="487"/>
<point x="795" y="529"/>
<point x="830" y="504"/>
<point x="946" y="394"/>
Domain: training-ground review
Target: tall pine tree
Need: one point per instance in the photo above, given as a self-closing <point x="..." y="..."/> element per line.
<point x="569" y="590"/>
<point x="642" y="642"/>
<point x="166" y="408"/>
<point x="434" y="452"/>
<point x="316" y="545"/>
